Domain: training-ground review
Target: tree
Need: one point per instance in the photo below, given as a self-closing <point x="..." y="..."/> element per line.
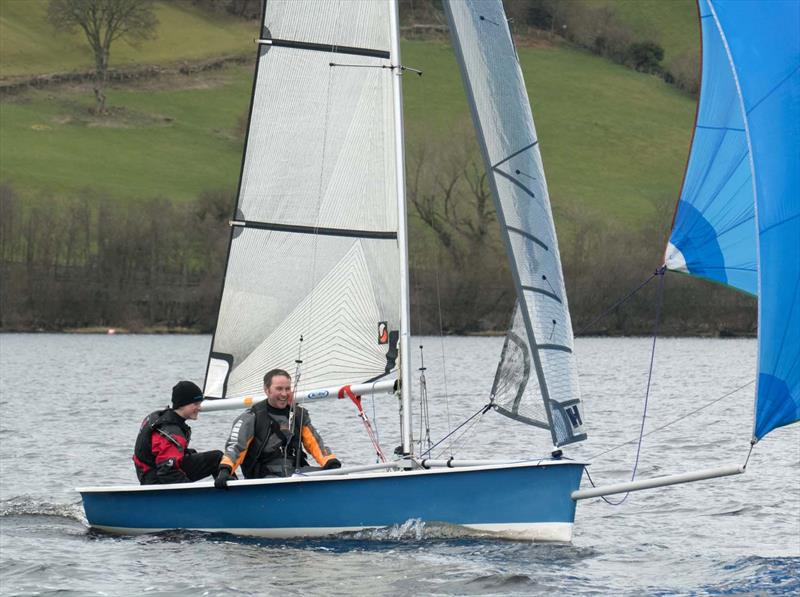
<point x="464" y="270"/>
<point x="104" y="21"/>
<point x="645" y="56"/>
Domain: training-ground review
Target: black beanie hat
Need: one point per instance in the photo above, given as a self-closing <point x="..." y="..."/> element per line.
<point x="185" y="392"/>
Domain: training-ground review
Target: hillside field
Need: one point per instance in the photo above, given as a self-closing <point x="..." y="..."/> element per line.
<point x="673" y="24"/>
<point x="614" y="144"/>
<point x="29" y="46"/>
<point x="614" y="141"/>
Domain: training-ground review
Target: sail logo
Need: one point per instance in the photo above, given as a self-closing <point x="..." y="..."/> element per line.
<point x="318" y="394"/>
<point x="574" y="415"/>
<point x="569" y="422"/>
<point x="383" y="332"/>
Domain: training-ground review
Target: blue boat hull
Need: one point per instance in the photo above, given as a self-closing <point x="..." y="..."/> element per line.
<point x="525" y="500"/>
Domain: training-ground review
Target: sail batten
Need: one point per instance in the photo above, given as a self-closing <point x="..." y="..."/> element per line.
<point x="328" y="48"/>
<point x="313" y="265"/>
<point x="390" y="235"/>
<point x="536" y="381"/>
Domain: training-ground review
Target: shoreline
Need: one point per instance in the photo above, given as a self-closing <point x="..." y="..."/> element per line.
<point x="184" y="331"/>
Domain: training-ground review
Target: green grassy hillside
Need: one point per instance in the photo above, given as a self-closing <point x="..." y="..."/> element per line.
<point x="673" y="24"/>
<point x="159" y="141"/>
<point x="614" y="144"/>
<point x="29" y="46"/>
<point x="613" y="140"/>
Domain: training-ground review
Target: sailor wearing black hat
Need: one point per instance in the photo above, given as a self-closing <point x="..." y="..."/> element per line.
<point x="162" y="453"/>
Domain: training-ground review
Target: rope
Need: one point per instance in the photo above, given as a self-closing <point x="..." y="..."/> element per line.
<point x="659" y="303"/>
<point x="484" y="409"/>
<point x="481" y="411"/>
<point x="374" y="418"/>
<point x="623" y="300"/>
<point x="348" y="391"/>
<point x="444" y="361"/>
<point x="424" y="96"/>
<point x="424" y="414"/>
<point x="456" y="442"/>
<point x="681" y="418"/>
<point x="297" y="371"/>
<point x="752" y="445"/>
<point x="314" y="250"/>
<point x="747" y="460"/>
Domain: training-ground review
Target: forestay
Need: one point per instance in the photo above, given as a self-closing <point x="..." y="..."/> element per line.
<point x="313" y="250"/>
<point x="536" y="380"/>
<point x="738" y="219"/>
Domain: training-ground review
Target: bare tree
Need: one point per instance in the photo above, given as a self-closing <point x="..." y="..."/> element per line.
<point x="469" y="279"/>
<point x="449" y="193"/>
<point x="104" y="21"/>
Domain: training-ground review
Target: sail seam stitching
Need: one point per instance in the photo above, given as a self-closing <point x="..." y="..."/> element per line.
<point x="720" y="128"/>
<point x="773" y="90"/>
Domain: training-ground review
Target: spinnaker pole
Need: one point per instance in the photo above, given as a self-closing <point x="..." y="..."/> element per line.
<point x="712" y="473"/>
<point x="402" y="230"/>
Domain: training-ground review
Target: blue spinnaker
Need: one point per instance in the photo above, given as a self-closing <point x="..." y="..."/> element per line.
<point x="738" y="218"/>
<point x="714" y="234"/>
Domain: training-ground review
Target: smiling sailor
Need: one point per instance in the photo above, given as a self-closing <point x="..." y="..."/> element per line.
<point x="265" y="440"/>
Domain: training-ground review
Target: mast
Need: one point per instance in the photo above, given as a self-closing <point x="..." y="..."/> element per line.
<point x="402" y="230"/>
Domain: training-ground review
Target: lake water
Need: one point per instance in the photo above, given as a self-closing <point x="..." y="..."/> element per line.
<point x="71" y="406"/>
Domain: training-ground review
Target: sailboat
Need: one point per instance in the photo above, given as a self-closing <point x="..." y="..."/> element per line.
<point x="317" y="274"/>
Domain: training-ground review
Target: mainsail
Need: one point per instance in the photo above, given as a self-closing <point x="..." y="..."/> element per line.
<point x="738" y="219"/>
<point x="314" y="251"/>
<point x="537" y="380"/>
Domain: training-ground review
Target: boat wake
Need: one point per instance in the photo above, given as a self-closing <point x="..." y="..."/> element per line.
<point x="27" y="506"/>
<point x="414" y="530"/>
<point x="411" y="531"/>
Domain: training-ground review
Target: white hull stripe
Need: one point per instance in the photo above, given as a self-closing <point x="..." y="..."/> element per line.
<point x="543" y="531"/>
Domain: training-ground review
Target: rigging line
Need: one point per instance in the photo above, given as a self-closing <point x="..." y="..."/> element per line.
<point x="749" y="452"/>
<point x="309" y="317"/>
<point x="482" y="410"/>
<point x="421" y="396"/>
<point x="427" y="422"/>
<point x="461" y="435"/>
<point x="660" y="271"/>
<point x="747" y="460"/>
<point x="659" y="303"/>
<point x="424" y="410"/>
<point x="689" y="414"/>
<point x="389" y="66"/>
<point x="373" y="438"/>
<point x="297" y="371"/>
<point x="441" y="341"/>
<point x="375" y="419"/>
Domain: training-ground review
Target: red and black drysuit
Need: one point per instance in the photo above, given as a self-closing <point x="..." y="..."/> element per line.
<point x="162" y="453"/>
